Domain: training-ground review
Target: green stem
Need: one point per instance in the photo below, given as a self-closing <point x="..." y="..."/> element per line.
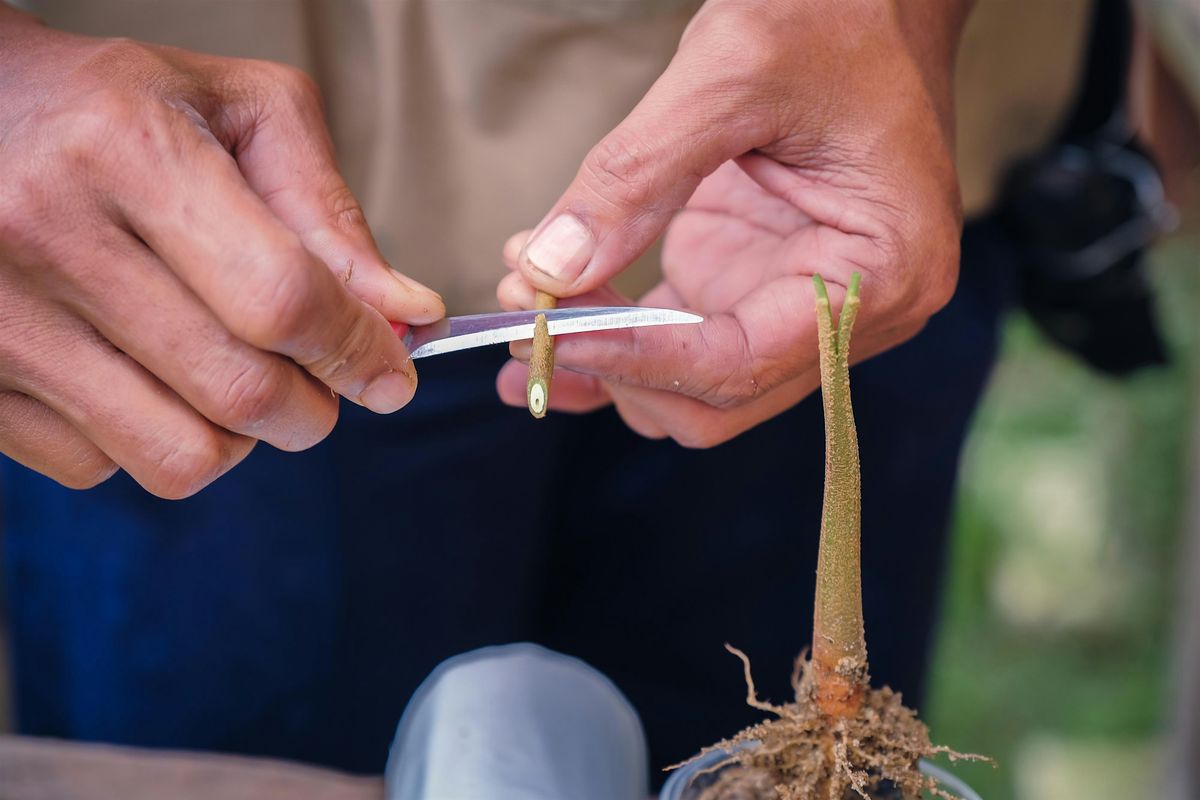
<point x="839" y="641"/>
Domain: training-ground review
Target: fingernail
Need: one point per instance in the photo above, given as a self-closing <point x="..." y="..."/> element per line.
<point x="389" y="392"/>
<point x="561" y="249"/>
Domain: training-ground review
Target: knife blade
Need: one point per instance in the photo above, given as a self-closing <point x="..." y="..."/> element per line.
<point x="478" y="330"/>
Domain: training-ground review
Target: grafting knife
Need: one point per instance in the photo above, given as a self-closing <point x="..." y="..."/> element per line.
<point x="477" y="330"/>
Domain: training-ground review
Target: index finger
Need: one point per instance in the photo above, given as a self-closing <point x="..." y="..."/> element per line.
<point x="726" y="360"/>
<point x="187" y="199"/>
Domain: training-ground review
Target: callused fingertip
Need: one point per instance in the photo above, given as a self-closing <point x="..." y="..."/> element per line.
<point x="390" y="391"/>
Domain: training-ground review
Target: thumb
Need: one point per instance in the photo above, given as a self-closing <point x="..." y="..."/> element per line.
<point x="286" y="155"/>
<point x="632" y="183"/>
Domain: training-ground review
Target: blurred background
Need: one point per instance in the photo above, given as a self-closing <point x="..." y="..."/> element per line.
<point x="1058" y="643"/>
<point x="1066" y="595"/>
<point x="1058" y="634"/>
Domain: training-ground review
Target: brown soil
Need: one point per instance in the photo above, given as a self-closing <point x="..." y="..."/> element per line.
<point x="804" y="755"/>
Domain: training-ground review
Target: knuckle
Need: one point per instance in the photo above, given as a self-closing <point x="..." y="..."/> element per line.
<point x="936" y="296"/>
<point x="75" y="462"/>
<point x="345" y="213"/>
<point x="292" y="85"/>
<point x="930" y="290"/>
<point x="639" y="423"/>
<point x="619" y="167"/>
<point x="33" y="435"/>
<point x="276" y="304"/>
<point x="338" y="366"/>
<point x="124" y="54"/>
<point x="731" y="380"/>
<point x="318" y="424"/>
<point x="697" y="437"/>
<point x="732" y="392"/>
<point x="735" y="387"/>
<point x="943" y="278"/>
<point x="741" y="41"/>
<point x="251" y="398"/>
<point x="88" y="472"/>
<point x="88" y="135"/>
<point x="25" y="209"/>
<point x="186" y="464"/>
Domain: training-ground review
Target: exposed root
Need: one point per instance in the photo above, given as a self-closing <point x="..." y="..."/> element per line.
<point x="751" y="693"/>
<point x="804" y="755"/>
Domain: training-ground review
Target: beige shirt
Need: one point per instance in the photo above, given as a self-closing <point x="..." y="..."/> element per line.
<point x="458" y="122"/>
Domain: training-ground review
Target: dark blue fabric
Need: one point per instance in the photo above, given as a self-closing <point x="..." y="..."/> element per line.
<point x="291" y="608"/>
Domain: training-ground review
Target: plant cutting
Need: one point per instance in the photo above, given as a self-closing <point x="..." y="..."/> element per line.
<point x="541" y="362"/>
<point x="839" y="738"/>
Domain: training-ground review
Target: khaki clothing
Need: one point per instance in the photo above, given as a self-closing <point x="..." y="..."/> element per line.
<point x="459" y="122"/>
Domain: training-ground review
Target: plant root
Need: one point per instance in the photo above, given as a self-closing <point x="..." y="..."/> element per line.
<point x="805" y="755"/>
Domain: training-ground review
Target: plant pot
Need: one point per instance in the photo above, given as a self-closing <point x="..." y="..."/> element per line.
<point x="680" y="785"/>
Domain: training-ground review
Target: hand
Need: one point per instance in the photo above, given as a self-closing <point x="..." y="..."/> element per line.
<point x="182" y="270"/>
<point x="799" y="136"/>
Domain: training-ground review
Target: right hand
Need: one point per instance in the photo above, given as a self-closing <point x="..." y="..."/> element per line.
<point x="786" y="138"/>
<point x="182" y="270"/>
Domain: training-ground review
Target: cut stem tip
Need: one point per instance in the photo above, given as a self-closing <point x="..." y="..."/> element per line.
<point x="541" y="361"/>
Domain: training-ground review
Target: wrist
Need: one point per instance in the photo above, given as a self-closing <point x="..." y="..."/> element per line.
<point x="934" y="27"/>
<point x="932" y="30"/>
<point x="904" y="52"/>
<point x="21" y="35"/>
<point x="889" y="65"/>
<point x="13" y="20"/>
<point x="33" y="60"/>
<point x="19" y="32"/>
<point x="925" y="33"/>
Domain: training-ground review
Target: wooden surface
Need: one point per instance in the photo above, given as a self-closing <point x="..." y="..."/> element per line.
<point x="47" y="769"/>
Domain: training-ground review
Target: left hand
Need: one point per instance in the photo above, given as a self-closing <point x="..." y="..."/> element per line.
<point x="800" y="136"/>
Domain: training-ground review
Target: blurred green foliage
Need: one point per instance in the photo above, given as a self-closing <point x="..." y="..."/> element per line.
<point x="1056" y="636"/>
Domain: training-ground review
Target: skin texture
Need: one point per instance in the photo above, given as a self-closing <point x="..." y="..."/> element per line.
<point x="786" y="138"/>
<point x="182" y="270"/>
